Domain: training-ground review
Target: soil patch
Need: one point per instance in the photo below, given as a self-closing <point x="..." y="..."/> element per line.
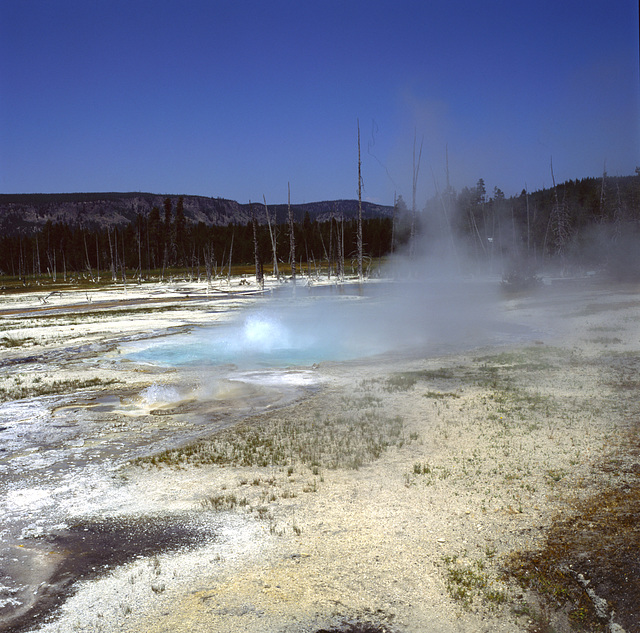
<point x="357" y="628"/>
<point x="89" y="549"/>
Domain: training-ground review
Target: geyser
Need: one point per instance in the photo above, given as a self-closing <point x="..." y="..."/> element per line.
<point x="410" y="316"/>
<point x="267" y="338"/>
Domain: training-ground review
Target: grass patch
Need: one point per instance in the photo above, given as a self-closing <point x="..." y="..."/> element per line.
<point x="470" y="582"/>
<point x="35" y="389"/>
<point x="605" y="340"/>
<point x="588" y="566"/>
<point x="439" y="395"/>
<point x="535" y="358"/>
<point x="10" y="342"/>
<point x="223" y="502"/>
<point x="405" y="380"/>
<point x="313" y="440"/>
<point x="598" y="308"/>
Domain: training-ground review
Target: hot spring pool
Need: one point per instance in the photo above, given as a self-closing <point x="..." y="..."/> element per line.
<point x="260" y="340"/>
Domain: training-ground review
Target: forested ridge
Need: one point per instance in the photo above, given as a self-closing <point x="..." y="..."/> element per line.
<point x="97" y="237"/>
<point x="593" y="222"/>
<point x="578" y="224"/>
<point x="21" y="213"/>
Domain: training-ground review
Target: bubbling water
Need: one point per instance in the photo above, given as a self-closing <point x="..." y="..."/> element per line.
<point x="264" y="334"/>
<point x="160" y="394"/>
<point x="259" y="340"/>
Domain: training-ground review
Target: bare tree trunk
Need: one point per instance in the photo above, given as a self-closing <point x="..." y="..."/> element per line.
<point x="97" y="257"/>
<point x="51" y="258"/>
<point x="342" y="247"/>
<point x="272" y="235"/>
<point x="208" y="262"/>
<point x="360" y="273"/>
<point x="476" y="230"/>
<point x="37" y="266"/>
<point x="113" y="264"/>
<point x="292" y="237"/>
<point x="528" y="223"/>
<point x="560" y="219"/>
<point x="330" y="258"/>
<point x="124" y="266"/>
<point x="230" y="257"/>
<point x="327" y="256"/>
<point x="602" y="193"/>
<point x="416" y="171"/>
<point x="139" y="255"/>
<point x="21" y="263"/>
<point x="445" y="214"/>
<point x="148" y="249"/>
<point x="394" y="220"/>
<point x="86" y="252"/>
<point x="256" y="254"/>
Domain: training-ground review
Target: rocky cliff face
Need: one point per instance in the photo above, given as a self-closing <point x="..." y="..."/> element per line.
<point x="22" y="213"/>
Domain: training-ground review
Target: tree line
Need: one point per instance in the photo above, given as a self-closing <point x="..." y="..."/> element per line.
<point x="159" y="243"/>
<point x="592" y="222"/>
<point x="588" y="222"/>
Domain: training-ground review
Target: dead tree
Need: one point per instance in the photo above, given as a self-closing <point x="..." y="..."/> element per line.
<point x="394" y="221"/>
<point x="51" y="257"/>
<point x="359" y="209"/>
<point x="558" y="221"/>
<point x="256" y="254"/>
<point x="139" y="240"/>
<point x="272" y="235"/>
<point x="113" y="262"/>
<point x="292" y="237"/>
<point x="230" y="256"/>
<point x="416" y="171"/>
<point x="124" y="265"/>
<point x="444" y="204"/>
<point x="528" y="221"/>
<point x="208" y="262"/>
<point x="97" y="258"/>
<point x="340" y="239"/>
<point x="86" y="252"/>
<point x="330" y="257"/>
<point x="603" y="197"/>
<point x="36" y="267"/>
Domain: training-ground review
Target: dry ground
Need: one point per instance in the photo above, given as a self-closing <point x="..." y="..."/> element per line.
<point x="489" y="491"/>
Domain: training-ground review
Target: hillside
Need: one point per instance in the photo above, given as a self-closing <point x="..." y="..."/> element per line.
<point x="22" y="213"/>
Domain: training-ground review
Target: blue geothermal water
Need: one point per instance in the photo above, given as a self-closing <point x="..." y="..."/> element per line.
<point x="261" y="340"/>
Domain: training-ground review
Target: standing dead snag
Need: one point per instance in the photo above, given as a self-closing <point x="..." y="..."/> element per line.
<point x="256" y="254"/>
<point x="230" y="258"/>
<point x="292" y="237"/>
<point x="558" y="221"/>
<point x="416" y="171"/>
<point x="272" y="235"/>
<point x="208" y="262"/>
<point x="359" y="209"/>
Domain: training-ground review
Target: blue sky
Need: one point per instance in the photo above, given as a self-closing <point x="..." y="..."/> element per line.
<point x="237" y="98"/>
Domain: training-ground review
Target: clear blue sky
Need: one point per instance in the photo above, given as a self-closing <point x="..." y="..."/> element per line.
<point x="235" y="98"/>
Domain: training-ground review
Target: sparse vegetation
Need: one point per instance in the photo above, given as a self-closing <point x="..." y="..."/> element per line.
<point x="406" y="380"/>
<point x="537" y="436"/>
<point x="37" y="387"/>
<point x="301" y="437"/>
<point x="10" y="341"/>
<point x="471" y="581"/>
<point x="587" y="564"/>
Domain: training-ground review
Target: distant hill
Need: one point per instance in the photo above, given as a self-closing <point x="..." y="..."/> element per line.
<point x="22" y="213"/>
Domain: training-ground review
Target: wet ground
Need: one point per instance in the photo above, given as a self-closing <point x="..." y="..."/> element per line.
<point x="64" y="515"/>
<point x="86" y="550"/>
<point x="63" y="509"/>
